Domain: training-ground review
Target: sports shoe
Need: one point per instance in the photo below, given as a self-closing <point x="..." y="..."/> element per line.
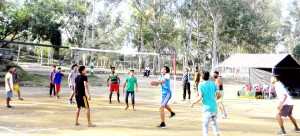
<point x="183" y="100"/>
<point x="283" y="133"/>
<point x="161" y="125"/>
<point x="172" y="114"/>
<point x="70" y="101"/>
<point x="10" y="107"/>
<point x="296" y="130"/>
<point x="224" y="116"/>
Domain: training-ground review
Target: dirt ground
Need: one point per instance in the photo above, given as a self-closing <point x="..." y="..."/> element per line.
<point x="40" y="115"/>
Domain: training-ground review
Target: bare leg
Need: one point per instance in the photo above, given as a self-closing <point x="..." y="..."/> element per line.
<point x="162" y="113"/>
<point x="127" y="106"/>
<point x="280" y="122"/>
<point x="169" y="108"/>
<point x="133" y="107"/>
<point x="19" y="95"/>
<point x="118" y="96"/>
<point x="293" y="121"/>
<point x="88" y="114"/>
<point x="72" y="95"/>
<point x="77" y="116"/>
<point x="7" y="101"/>
<point x="110" y="95"/>
<point x="221" y="107"/>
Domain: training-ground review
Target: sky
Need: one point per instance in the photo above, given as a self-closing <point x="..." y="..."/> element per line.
<point x="284" y="7"/>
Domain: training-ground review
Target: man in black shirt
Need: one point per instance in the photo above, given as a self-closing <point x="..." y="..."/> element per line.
<point x="80" y="88"/>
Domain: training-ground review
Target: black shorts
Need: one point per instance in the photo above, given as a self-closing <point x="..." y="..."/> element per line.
<point x="286" y="110"/>
<point x="82" y="101"/>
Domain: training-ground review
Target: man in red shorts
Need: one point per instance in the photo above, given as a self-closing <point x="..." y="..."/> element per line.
<point x="114" y="84"/>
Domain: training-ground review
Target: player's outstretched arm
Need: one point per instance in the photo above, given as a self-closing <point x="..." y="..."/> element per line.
<point x="198" y="99"/>
<point x="162" y="81"/>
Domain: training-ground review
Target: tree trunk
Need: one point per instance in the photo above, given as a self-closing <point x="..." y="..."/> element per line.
<point x="215" y="40"/>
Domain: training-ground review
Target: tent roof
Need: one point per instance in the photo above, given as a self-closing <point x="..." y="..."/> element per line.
<point x="260" y="61"/>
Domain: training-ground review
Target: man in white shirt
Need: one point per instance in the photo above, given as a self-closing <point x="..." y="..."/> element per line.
<point x="71" y="81"/>
<point x="285" y="107"/>
<point x="9" y="85"/>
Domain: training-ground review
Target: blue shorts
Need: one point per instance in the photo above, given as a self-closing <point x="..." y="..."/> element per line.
<point x="9" y="94"/>
<point x="165" y="99"/>
<point x="72" y="88"/>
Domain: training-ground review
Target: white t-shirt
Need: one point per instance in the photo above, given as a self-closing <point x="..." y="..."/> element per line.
<point x="8" y="76"/>
<point x="281" y="91"/>
<point x="166" y="76"/>
<point x="72" y="77"/>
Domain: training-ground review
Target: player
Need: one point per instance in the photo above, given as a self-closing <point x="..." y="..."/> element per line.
<point x="130" y="83"/>
<point x="57" y="80"/>
<point x="81" y="89"/>
<point x="114" y="85"/>
<point x="219" y="84"/>
<point x="16" y="82"/>
<point x="196" y="81"/>
<point x="52" y="87"/>
<point x="208" y="93"/>
<point x="9" y="86"/>
<point x="164" y="81"/>
<point x="71" y="81"/>
<point x="186" y="84"/>
<point x="285" y="107"/>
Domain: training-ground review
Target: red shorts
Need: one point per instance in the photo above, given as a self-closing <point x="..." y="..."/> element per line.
<point x="57" y="87"/>
<point x="114" y="87"/>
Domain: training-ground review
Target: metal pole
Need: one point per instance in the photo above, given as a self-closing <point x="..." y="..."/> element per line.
<point x="93" y="37"/>
<point x="174" y="70"/>
<point x="18" y="55"/>
<point x="273" y="73"/>
<point x="42" y="50"/>
<point x="249" y="74"/>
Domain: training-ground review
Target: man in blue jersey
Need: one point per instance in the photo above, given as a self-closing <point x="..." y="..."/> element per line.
<point x="164" y="81"/>
<point x="208" y="94"/>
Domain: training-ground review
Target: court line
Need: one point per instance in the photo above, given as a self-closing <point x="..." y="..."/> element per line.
<point x="97" y="123"/>
<point x="12" y="131"/>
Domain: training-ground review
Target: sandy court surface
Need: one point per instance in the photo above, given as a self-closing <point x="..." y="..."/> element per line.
<point x="40" y="115"/>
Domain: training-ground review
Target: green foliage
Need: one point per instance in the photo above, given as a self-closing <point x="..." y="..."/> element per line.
<point x="296" y="52"/>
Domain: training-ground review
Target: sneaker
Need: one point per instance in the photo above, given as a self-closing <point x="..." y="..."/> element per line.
<point x="10" y="107"/>
<point x="224" y="116"/>
<point x="183" y="100"/>
<point x="172" y="114"/>
<point x="161" y="125"/>
<point x="70" y="101"/>
<point x="297" y="130"/>
<point x="283" y="133"/>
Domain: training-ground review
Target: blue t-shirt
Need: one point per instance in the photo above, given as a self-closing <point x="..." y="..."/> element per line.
<point x="57" y="77"/>
<point x="166" y="87"/>
<point x="208" y="91"/>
